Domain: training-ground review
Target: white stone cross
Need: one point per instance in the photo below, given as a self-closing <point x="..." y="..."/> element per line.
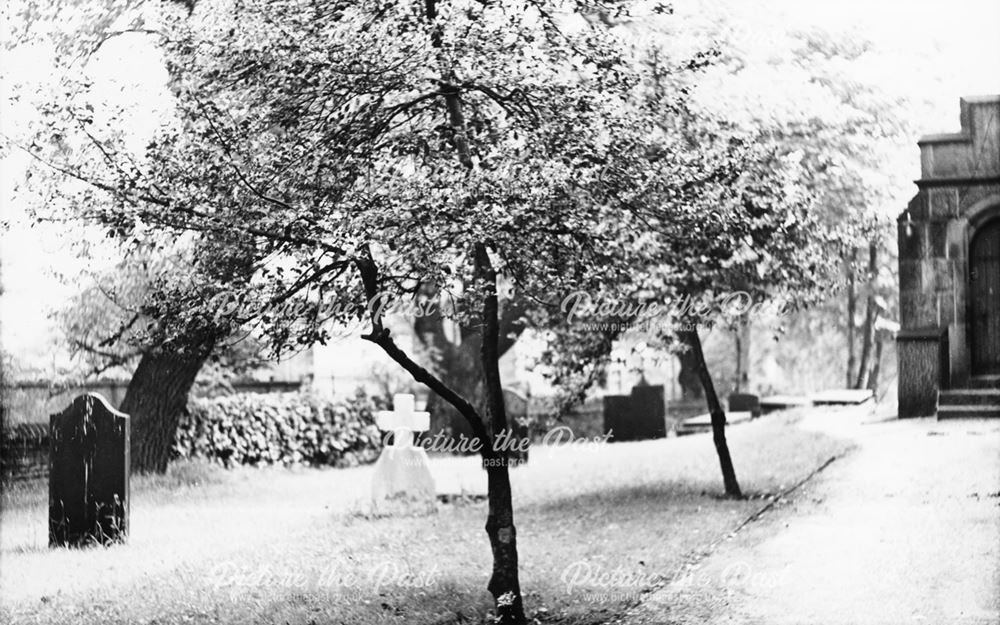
<point x="403" y="420"/>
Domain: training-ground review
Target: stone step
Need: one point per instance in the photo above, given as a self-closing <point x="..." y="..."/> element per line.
<point x="984" y="381"/>
<point x="988" y="411"/>
<point x="969" y="396"/>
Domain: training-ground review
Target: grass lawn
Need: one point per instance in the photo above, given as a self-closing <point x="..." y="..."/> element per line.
<point x="596" y="525"/>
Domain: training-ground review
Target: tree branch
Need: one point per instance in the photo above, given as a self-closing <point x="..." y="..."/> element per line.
<point x="165" y="203"/>
<point x="380" y="336"/>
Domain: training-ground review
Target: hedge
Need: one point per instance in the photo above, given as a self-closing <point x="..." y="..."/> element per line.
<point x="280" y="428"/>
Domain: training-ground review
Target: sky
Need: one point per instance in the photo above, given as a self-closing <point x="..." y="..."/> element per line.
<point x="931" y="51"/>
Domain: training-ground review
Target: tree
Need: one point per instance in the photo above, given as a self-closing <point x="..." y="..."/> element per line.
<point x="855" y="144"/>
<point x="358" y="153"/>
<point x="752" y="240"/>
<point x="837" y="99"/>
<point x="763" y="246"/>
<point x="753" y="235"/>
<point x="109" y="324"/>
<point x="850" y="131"/>
<point x="110" y="330"/>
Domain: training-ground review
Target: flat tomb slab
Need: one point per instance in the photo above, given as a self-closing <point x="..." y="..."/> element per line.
<point x="842" y="397"/>
<point x="703" y="422"/>
<point x="782" y="402"/>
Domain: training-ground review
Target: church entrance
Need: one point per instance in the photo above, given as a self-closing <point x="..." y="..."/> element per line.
<point x="984" y="299"/>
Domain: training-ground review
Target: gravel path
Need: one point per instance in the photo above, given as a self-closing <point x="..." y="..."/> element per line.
<point x="905" y="529"/>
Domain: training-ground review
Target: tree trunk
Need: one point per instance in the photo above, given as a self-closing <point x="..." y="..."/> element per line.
<point x="851" y="311"/>
<point x="742" y="335"/>
<point x="687" y="377"/>
<point x="504" y="584"/>
<point x="457" y="362"/>
<point x="156" y="396"/>
<point x="691" y="338"/>
<point x="871" y="311"/>
<point x="876" y="364"/>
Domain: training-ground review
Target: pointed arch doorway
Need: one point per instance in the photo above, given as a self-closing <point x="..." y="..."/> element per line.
<point x="984" y="299"/>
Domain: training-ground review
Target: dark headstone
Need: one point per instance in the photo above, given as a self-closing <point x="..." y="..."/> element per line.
<point x="636" y="417"/>
<point x="650" y="410"/>
<point x="745" y="402"/>
<point x="517" y="421"/>
<point x="618" y="417"/>
<point x="89" y="474"/>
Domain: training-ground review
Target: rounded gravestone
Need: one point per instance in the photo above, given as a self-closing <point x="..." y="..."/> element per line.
<point x="89" y="474"/>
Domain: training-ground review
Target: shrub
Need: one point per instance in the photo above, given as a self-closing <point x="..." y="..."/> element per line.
<point x="280" y="428"/>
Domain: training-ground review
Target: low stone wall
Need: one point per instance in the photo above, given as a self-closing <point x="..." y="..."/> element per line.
<point x="24" y="452"/>
<point x="24" y="441"/>
<point x="922" y="358"/>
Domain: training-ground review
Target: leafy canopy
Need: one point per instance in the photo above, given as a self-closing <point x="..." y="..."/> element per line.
<point x="313" y="139"/>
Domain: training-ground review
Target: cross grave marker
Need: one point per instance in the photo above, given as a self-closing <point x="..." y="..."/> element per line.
<point x="402" y="480"/>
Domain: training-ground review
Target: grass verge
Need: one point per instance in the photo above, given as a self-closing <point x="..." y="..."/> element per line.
<point x="597" y="525"/>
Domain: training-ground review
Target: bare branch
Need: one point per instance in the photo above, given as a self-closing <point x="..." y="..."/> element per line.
<point x="380" y="336"/>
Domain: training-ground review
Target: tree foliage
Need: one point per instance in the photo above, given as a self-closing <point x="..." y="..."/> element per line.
<point x="331" y="161"/>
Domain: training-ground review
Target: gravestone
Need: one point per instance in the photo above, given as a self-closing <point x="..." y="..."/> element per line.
<point x="89" y="474"/>
<point x="745" y="402"/>
<point x="517" y="422"/>
<point x="402" y="482"/>
<point x="636" y="417"/>
<point x="617" y="416"/>
<point x="650" y="410"/>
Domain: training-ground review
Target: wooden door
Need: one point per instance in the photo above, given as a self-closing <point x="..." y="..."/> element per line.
<point x="984" y="298"/>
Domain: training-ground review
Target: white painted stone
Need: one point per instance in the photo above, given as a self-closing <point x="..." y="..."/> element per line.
<point x="402" y="483"/>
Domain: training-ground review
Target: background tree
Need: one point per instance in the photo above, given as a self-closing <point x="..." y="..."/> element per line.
<point x="111" y="326"/>
<point x="837" y="109"/>
<point x="761" y="242"/>
<point x="110" y="330"/>
<point x="751" y="235"/>
<point x="453" y="349"/>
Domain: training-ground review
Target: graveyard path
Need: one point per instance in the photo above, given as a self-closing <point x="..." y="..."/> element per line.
<point x="905" y="529"/>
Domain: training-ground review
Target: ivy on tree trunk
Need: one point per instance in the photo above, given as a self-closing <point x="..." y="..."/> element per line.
<point x="742" y="339"/>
